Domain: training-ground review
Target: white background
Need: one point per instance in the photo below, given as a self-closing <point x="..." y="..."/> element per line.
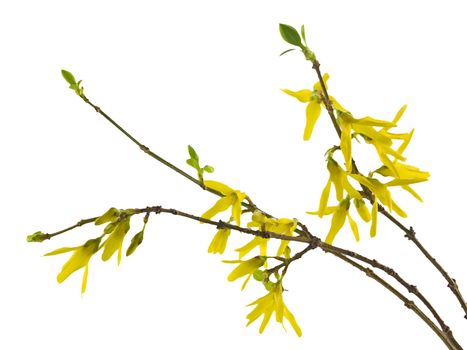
<point x="208" y="73"/>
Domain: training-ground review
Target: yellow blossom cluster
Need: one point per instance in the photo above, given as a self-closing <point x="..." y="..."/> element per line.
<point x="377" y="133"/>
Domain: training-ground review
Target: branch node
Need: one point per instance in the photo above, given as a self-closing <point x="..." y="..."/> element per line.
<point x="412" y="289"/>
<point x="144" y="148"/>
<point x="221" y="225"/>
<point x="409" y="304"/>
<point x="315" y="242"/>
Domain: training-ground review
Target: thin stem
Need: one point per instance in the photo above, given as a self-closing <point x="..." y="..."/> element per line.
<point x="219" y="224"/>
<point x="146" y="149"/>
<point x="408" y="303"/>
<point x="409" y="233"/>
<point x="391" y="272"/>
<point x="78" y="224"/>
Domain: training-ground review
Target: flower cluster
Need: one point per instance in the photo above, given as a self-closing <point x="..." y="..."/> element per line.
<point x="118" y="225"/>
<point x="377" y="133"/>
<point x="272" y="302"/>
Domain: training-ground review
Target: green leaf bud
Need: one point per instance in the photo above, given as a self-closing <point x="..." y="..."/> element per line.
<point x="70" y="79"/>
<point x="38" y="236"/>
<point x="135" y="242"/>
<point x="208" y="169"/>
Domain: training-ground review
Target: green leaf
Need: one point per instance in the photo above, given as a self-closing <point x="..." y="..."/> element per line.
<point x="135" y="242"/>
<point x="192" y="153"/>
<point x="208" y="169"/>
<point x="286" y="51"/>
<point x="69" y="77"/>
<point x="290" y="35"/>
<point x="192" y="162"/>
<point x="303" y="34"/>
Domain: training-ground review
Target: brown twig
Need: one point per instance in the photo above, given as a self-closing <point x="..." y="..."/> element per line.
<point x="408" y="303"/>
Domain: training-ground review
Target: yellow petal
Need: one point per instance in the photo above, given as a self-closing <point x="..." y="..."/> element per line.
<point x="323" y="202"/>
<point x="61" y="251"/>
<point x="407" y="171"/>
<point x="85" y="279"/>
<point x="369" y="121"/>
<point x="412" y="192"/>
<point x="255" y="242"/>
<point x="354" y="227"/>
<point x="336" y="105"/>
<point x="346" y="145"/>
<point x="362" y="210"/>
<point x="267" y="317"/>
<point x="403" y="182"/>
<point x="219" y="186"/>
<point x="375" y="136"/>
<point x="245" y="282"/>
<point x="288" y="315"/>
<point x="79" y="259"/>
<point x="264" y="303"/>
<point x="374" y="218"/>
<point x="338" y="220"/>
<point x="391" y="152"/>
<point x="221" y="205"/>
<point x="282" y="247"/>
<point x="237" y="206"/>
<point x="219" y="242"/>
<point x="398" y="116"/>
<point x="406" y="142"/>
<point x="115" y="240"/>
<point x="301" y="95"/>
<point x="353" y="193"/>
<point x="398" y="210"/>
<point x="327" y="211"/>
<point x="385" y="160"/>
<point x="278" y="303"/>
<point x="313" y="110"/>
<point x="336" y="175"/>
<point x="246" y="267"/>
<point x="110" y="215"/>
<point x="317" y="85"/>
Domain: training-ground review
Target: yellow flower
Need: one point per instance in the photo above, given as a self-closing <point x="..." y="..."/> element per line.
<point x="257" y="241"/>
<point x="314" y="99"/>
<point x="111" y="215"/>
<point x="79" y="259"/>
<point x="219" y="242"/>
<point x="281" y="226"/>
<point x="337" y="177"/>
<point x="232" y="198"/>
<point x="245" y="268"/>
<point x="270" y="303"/>
<point x="408" y="174"/>
<point x="365" y="127"/>
<point x="115" y="240"/>
<point x="340" y="214"/>
<point x="362" y="209"/>
<point x="382" y="194"/>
